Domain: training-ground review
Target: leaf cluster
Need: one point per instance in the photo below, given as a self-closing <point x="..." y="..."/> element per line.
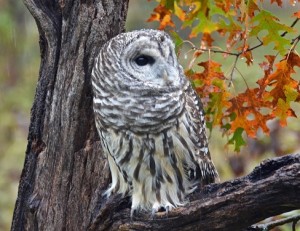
<point x="245" y="26"/>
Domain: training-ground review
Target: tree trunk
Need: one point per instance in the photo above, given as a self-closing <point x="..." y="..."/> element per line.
<point x="65" y="172"/>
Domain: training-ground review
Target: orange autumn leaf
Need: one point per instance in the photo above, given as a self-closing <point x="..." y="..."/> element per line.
<point x="247" y="110"/>
<point x="224" y="5"/>
<point x="210" y="85"/>
<point x="245" y="26"/>
<point x="252" y="7"/>
<point x="283" y="89"/>
<point x="163" y="16"/>
<point x="267" y="67"/>
<point x="282" y="77"/>
<point x="297" y="14"/>
<point x="250" y="126"/>
<point x="248" y="56"/>
<point x="211" y="70"/>
<point x="179" y="12"/>
<point x="206" y="40"/>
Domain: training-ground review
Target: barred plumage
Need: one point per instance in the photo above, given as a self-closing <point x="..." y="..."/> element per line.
<point x="150" y="121"/>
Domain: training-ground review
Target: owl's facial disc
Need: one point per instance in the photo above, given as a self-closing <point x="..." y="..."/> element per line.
<point x="153" y="63"/>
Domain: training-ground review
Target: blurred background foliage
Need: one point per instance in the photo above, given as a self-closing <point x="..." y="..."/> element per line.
<point x="19" y="67"/>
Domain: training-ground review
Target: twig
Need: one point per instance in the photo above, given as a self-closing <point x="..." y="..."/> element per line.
<point x="292" y="25"/>
<point x="257" y="46"/>
<point x="243" y="78"/>
<point x="232" y="71"/>
<point x="295" y="39"/>
<point x="273" y="224"/>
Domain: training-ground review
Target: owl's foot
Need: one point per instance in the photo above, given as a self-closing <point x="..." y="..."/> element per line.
<point x="107" y="193"/>
<point x="162" y="211"/>
<point x="133" y="213"/>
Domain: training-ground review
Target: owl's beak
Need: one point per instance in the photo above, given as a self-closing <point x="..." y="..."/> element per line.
<point x="170" y="77"/>
<point x="166" y="77"/>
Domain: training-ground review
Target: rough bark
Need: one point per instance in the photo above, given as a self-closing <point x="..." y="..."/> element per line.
<point x="65" y="172"/>
<point x="270" y="189"/>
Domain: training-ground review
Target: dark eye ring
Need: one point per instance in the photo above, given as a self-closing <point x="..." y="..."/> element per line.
<point x="143" y="60"/>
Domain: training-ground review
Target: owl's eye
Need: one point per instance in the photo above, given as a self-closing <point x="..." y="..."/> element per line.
<point x="143" y="60"/>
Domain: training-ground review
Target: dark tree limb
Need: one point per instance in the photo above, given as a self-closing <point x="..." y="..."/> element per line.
<point x="65" y="173"/>
<point x="270" y="189"/>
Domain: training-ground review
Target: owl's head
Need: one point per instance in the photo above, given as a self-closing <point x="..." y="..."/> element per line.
<point x="143" y="60"/>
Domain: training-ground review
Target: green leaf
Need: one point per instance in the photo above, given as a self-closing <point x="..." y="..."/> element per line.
<point x="237" y="139"/>
<point x="205" y="20"/>
<point x="205" y="25"/>
<point x="290" y="93"/>
<point x="268" y="22"/>
<point x="226" y="127"/>
<point x="177" y="40"/>
<point x="168" y="4"/>
<point x="209" y="125"/>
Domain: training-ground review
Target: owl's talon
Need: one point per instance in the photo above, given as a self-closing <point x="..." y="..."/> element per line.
<point x="153" y="213"/>
<point x="133" y="213"/>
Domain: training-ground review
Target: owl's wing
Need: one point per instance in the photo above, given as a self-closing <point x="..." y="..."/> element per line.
<point x="206" y="171"/>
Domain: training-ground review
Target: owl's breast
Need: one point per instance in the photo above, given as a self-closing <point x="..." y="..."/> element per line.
<point x="139" y="114"/>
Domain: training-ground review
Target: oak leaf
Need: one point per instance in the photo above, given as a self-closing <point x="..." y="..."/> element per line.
<point x="247" y="108"/>
<point x="265" y="21"/>
<point x="163" y="15"/>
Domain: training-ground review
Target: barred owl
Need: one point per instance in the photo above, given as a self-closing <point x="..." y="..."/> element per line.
<point x="150" y="122"/>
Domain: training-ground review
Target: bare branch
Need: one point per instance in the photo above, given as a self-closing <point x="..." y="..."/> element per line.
<point x="273" y="224"/>
<point x="270" y="189"/>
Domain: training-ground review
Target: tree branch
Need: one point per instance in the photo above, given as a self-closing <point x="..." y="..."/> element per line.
<point x="273" y="224"/>
<point x="270" y="189"/>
